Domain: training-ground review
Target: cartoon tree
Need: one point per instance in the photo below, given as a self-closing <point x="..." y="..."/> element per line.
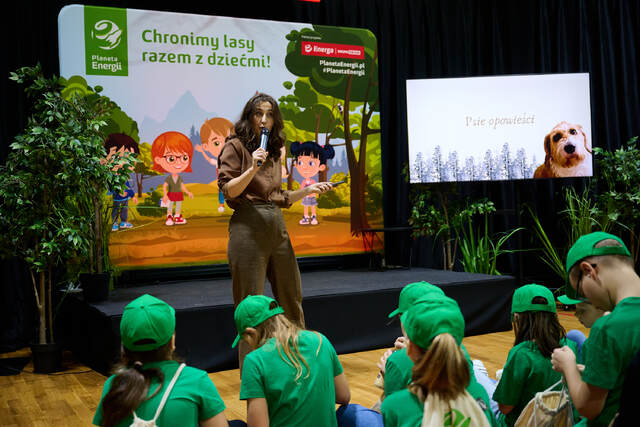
<point x="357" y="95"/>
<point x="144" y="166"/>
<point x="312" y="113"/>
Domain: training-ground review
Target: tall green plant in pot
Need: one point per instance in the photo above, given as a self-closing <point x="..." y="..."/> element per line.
<point x="121" y="163"/>
<point x="43" y="183"/>
<point x="480" y="248"/>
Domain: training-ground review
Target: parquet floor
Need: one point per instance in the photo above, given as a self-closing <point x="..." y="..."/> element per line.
<point x="70" y="398"/>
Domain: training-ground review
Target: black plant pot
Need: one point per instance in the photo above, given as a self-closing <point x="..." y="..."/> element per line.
<point x="95" y="286"/>
<point x="47" y="358"/>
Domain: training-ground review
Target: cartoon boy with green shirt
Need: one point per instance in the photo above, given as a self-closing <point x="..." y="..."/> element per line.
<point x="601" y="270"/>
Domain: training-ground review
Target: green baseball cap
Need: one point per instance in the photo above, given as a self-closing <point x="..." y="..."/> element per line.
<point x="252" y="311"/>
<point x="147" y="323"/>
<point x="585" y="247"/>
<point x="412" y="292"/>
<point x="524" y="295"/>
<point x="564" y="299"/>
<point x="431" y="316"/>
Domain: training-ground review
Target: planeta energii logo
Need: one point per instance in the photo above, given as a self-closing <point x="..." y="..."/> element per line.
<point x="105" y="41"/>
<point x="108" y="33"/>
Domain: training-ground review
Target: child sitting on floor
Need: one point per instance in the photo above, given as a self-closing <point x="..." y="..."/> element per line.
<point x="528" y="369"/>
<point x="292" y="376"/>
<point x="396" y="366"/>
<point x="150" y="384"/>
<point x="437" y="394"/>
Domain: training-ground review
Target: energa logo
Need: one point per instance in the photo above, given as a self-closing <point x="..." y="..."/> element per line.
<point x="107" y="34"/>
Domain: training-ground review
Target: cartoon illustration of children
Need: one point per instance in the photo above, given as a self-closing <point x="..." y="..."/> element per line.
<point x="309" y="159"/>
<point x="172" y="153"/>
<point x="213" y="134"/>
<point x="119" y="144"/>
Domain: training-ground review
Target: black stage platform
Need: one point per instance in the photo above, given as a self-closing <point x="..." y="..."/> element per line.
<point x="349" y="306"/>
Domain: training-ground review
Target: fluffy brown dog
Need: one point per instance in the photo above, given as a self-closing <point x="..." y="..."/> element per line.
<point x="567" y="153"/>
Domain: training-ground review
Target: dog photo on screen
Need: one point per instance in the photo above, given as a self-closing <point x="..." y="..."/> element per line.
<point x="567" y="153"/>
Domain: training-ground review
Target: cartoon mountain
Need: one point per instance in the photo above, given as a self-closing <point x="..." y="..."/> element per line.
<point x="185" y="113"/>
<point x="182" y="116"/>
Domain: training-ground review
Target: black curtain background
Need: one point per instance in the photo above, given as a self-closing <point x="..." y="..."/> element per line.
<point x="416" y="39"/>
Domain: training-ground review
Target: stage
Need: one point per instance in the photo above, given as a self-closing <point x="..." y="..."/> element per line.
<point x="349" y="306"/>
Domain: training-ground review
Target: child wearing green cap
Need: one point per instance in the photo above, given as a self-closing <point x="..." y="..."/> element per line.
<point x="397" y="366"/>
<point x="586" y="314"/>
<point x="437" y="394"/>
<point x="292" y="376"/>
<point x="528" y="369"/>
<point x="149" y="374"/>
<point x="601" y="270"/>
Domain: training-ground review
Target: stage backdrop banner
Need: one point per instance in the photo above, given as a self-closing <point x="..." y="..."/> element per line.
<point x="183" y="79"/>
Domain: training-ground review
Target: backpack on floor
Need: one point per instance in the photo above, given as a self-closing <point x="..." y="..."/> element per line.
<point x="139" y="422"/>
<point x="548" y="408"/>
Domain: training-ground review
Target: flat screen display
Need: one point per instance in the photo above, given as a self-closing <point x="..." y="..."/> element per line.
<point x="499" y="128"/>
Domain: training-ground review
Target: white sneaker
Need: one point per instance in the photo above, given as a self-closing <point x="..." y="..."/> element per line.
<point x="169" y="220"/>
<point x="221" y="209"/>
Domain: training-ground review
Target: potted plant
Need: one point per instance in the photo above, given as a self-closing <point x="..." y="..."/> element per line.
<point x="96" y="274"/>
<point x="43" y="189"/>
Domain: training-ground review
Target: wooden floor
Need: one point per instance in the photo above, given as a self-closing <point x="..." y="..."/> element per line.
<point x="70" y="398"/>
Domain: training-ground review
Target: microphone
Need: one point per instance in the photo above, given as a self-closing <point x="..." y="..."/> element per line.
<point x="264" y="138"/>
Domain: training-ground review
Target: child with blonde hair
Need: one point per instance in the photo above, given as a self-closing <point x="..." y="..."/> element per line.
<point x="437" y="394"/>
<point x="292" y="376"/>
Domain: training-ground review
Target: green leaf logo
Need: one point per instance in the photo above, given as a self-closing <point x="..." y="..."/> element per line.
<point x="107" y="34"/>
<point x="105" y="41"/>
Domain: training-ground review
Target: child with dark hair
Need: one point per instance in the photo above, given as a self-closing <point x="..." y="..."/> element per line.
<point x="120" y="144"/>
<point x="601" y="270"/>
<point x="292" y="376"/>
<point x="150" y="384"/>
<point x="309" y="159"/>
<point x="528" y="369"/>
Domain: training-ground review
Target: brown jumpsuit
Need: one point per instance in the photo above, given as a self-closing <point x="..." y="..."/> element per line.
<point x="259" y="245"/>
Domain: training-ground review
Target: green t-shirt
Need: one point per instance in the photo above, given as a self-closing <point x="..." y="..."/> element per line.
<point x="526" y="372"/>
<point x="397" y="372"/>
<point x="397" y="376"/>
<point x="612" y="343"/>
<point x="308" y="402"/>
<point x="402" y="409"/>
<point x="193" y="398"/>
